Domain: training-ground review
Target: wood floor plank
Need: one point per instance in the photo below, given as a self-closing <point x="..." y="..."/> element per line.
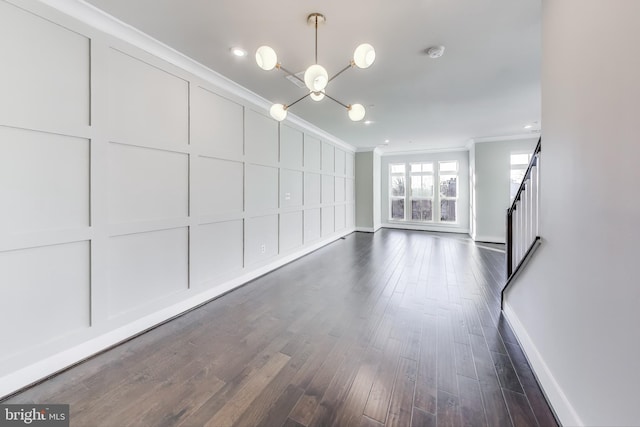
<point x="305" y="408"/>
<point x="464" y="361"/>
<point x="411" y="339"/>
<point x="368" y="422"/>
<point x="519" y="408"/>
<point x="278" y="385"/>
<point x="239" y="382"/>
<point x="532" y="390"/>
<point x="278" y="413"/>
<point x="235" y="407"/>
<point x="176" y="399"/>
<point x="426" y="386"/>
<point x="352" y="407"/>
<point x="401" y="406"/>
<point x="392" y="328"/>
<point x="328" y="409"/>
<point x="448" y="414"/>
<point x="506" y="373"/>
<point x="292" y="423"/>
<point x="379" y="398"/>
<point x="492" y="397"/>
<point x="471" y="407"/>
<point x="446" y="359"/>
<point x="302" y="412"/>
<point x="471" y="315"/>
<point x="422" y="419"/>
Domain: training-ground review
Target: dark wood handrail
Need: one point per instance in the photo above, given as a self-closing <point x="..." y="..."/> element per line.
<point x="525" y="259"/>
<point x="532" y="163"/>
<point x="511" y="273"/>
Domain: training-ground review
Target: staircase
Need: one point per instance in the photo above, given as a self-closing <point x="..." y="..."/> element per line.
<point x="522" y="220"/>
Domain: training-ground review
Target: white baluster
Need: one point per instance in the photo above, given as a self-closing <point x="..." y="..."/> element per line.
<point x="525" y="218"/>
<point x="534" y="204"/>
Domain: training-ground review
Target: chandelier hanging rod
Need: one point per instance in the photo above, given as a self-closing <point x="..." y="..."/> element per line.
<point x="316" y="16"/>
<point x="316" y="77"/>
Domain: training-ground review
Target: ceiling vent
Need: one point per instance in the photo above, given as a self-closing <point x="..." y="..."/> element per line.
<point x="297" y="79"/>
<point x="435" y="51"/>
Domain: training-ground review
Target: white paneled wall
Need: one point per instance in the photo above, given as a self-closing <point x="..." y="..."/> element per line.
<point x="132" y="189"/>
<point x="45" y="74"/>
<point x="45" y="181"/>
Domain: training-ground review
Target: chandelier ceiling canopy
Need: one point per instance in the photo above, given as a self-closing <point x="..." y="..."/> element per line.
<point x="316" y="77"/>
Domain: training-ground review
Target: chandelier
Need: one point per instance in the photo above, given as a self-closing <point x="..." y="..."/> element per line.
<point x="316" y="77"/>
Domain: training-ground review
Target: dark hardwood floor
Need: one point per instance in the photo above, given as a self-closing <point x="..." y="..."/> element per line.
<point x="397" y="328"/>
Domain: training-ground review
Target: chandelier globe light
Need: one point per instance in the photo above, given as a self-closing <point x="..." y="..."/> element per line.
<point x="278" y="112"/>
<point x="356" y="112"/>
<point x="317" y="96"/>
<point x="363" y="56"/>
<point x="266" y="58"/>
<point x="316" y="77"/>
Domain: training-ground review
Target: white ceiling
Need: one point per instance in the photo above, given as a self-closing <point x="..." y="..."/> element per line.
<point x="487" y="84"/>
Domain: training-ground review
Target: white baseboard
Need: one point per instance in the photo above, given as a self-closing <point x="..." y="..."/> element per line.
<point x="488" y="239"/>
<point x="42" y="369"/>
<point x="366" y="229"/>
<point x="444" y="229"/>
<point x="560" y="403"/>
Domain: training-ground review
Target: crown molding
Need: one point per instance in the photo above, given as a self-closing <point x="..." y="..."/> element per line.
<point x="532" y="135"/>
<point x="102" y="21"/>
<point x="400" y="152"/>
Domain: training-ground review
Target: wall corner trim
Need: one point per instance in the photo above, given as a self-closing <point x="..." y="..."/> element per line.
<point x="488" y="239"/>
<point x="559" y="402"/>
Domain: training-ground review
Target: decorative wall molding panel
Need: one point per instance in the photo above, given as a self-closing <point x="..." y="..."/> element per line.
<point x="137" y="184"/>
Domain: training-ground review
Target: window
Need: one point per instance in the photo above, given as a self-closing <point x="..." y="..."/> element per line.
<point x="421" y="196"/>
<point x="448" y="173"/>
<point x="423" y="201"/>
<point x="397" y="192"/>
<point x="519" y="165"/>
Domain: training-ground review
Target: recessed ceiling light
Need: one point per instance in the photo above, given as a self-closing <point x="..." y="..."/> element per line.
<point x="386" y="141"/>
<point x="532" y="125"/>
<point x="238" y="51"/>
<point x="369" y="122"/>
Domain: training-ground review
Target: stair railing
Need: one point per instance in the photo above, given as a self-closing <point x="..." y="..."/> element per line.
<point x="522" y="220"/>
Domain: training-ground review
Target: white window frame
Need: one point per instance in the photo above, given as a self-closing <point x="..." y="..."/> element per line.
<point x="517" y="167"/>
<point x="411" y="197"/>
<point x="391" y="196"/>
<point x="437" y="196"/>
<point x="442" y="197"/>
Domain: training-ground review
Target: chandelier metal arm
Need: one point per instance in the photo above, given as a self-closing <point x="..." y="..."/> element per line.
<point x="335" y="100"/>
<point x="341" y="71"/>
<point x="298" y="100"/>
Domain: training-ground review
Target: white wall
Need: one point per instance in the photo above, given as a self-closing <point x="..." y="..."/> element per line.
<point x="364" y="191"/>
<point x="472" y="191"/>
<point x="575" y="308"/>
<point x="368" y="191"/>
<point x="134" y="189"/>
<point x="377" y="170"/>
<point x="492" y="166"/>
<point x="462" y="157"/>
